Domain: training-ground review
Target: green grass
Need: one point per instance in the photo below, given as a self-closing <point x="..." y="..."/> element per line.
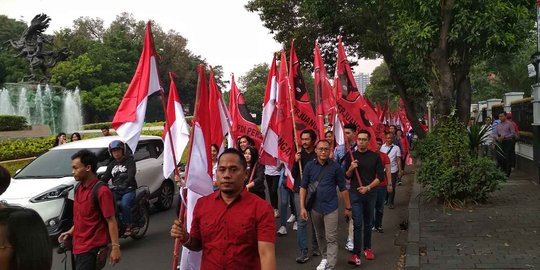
<point x="13" y="166"/>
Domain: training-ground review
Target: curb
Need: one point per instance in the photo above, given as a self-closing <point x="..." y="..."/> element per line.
<point x="412" y="254"/>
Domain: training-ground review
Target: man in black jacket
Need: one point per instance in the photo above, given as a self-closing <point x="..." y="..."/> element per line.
<point x="305" y="155"/>
<point x="122" y="173"/>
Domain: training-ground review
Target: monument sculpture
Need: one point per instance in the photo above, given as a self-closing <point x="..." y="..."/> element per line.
<point x="30" y="45"/>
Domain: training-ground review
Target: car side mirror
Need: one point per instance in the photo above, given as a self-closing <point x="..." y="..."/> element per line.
<point x="101" y="170"/>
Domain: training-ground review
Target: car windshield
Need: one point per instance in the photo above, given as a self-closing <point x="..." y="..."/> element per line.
<point x="57" y="163"/>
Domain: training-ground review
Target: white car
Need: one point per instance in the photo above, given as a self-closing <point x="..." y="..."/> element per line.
<point x="47" y="185"/>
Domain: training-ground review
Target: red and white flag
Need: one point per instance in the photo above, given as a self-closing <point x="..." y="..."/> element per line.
<point x="220" y="122"/>
<point x="243" y="123"/>
<point x="199" y="167"/>
<point x="304" y="117"/>
<point x="129" y="118"/>
<point x="269" y="151"/>
<point x="284" y="123"/>
<point x="179" y="131"/>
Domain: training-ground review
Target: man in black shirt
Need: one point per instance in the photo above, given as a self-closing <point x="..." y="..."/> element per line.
<point x="370" y="168"/>
<point x="305" y="155"/>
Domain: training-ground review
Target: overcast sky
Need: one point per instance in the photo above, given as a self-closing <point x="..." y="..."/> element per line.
<point x="223" y="32"/>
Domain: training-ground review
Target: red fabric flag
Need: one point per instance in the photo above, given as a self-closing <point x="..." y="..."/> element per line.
<point x="220" y="118"/>
<point x="179" y="131"/>
<point x="405" y="123"/>
<point x="243" y="123"/>
<point x="129" y="118"/>
<point x="269" y="153"/>
<point x="286" y="145"/>
<point x="325" y="103"/>
<point x="199" y="167"/>
<point x="350" y="103"/>
<point x="304" y="116"/>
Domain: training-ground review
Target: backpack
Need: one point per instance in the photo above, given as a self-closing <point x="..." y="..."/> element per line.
<point x="95" y="200"/>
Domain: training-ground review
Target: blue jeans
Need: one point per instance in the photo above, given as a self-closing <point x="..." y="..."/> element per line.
<point x="301" y="234"/>
<point x="286" y="198"/>
<point x="380" y="192"/>
<point x="363" y="206"/>
<point x="126" y="200"/>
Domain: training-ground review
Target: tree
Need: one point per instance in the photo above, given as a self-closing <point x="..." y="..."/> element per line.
<point x="428" y="46"/>
<point x="254" y="84"/>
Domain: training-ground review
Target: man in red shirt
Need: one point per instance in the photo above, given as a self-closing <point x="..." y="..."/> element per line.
<point x="381" y="190"/>
<point x="234" y="228"/>
<point x="90" y="233"/>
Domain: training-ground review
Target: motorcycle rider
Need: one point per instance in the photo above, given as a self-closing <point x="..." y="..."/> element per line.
<point x="122" y="173"/>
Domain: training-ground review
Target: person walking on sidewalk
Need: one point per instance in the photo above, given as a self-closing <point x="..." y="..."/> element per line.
<point x="326" y="174"/>
<point x="305" y="155"/>
<point x="505" y="134"/>
<point x="234" y="228"/>
<point x="381" y="190"/>
<point x="340" y="153"/>
<point x="394" y="153"/>
<point x="271" y="175"/>
<point x="369" y="166"/>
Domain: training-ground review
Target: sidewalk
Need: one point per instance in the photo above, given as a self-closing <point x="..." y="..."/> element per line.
<point x="501" y="234"/>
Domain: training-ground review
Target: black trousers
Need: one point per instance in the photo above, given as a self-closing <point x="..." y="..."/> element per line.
<point x="86" y="261"/>
<point x="504" y="159"/>
<point x="272" y="182"/>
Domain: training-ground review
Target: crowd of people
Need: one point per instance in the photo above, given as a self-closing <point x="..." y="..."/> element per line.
<point x="364" y="179"/>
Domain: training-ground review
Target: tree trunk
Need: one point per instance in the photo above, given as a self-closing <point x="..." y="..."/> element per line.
<point x="402" y="89"/>
<point x="443" y="73"/>
<point x="463" y="97"/>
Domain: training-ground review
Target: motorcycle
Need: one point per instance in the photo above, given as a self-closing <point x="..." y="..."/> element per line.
<point x="140" y="213"/>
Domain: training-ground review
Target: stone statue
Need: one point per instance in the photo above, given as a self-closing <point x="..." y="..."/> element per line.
<point x="30" y="46"/>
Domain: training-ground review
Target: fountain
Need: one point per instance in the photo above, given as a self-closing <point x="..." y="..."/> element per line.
<point x="56" y="107"/>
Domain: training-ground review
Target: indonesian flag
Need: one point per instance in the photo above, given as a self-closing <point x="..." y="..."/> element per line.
<point x="325" y="104"/>
<point x="351" y="105"/>
<point x="176" y="132"/>
<point x="199" y="167"/>
<point x="405" y="123"/>
<point x="129" y="118"/>
<point x="220" y="122"/>
<point x="303" y="111"/>
<point x="243" y="123"/>
<point x="286" y="145"/>
<point x="269" y="151"/>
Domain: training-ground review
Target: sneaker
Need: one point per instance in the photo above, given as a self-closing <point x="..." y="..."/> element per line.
<point x="276" y="213"/>
<point x="322" y="265"/>
<point x="295" y="226"/>
<point x="391" y="206"/>
<point x="291" y="219"/>
<point x="128" y="231"/>
<point x="378" y="229"/>
<point x="350" y="245"/>
<point x="316" y="252"/>
<point x="369" y="254"/>
<point x="399" y="183"/>
<point x="355" y="260"/>
<point x="282" y="231"/>
<point x="302" y="259"/>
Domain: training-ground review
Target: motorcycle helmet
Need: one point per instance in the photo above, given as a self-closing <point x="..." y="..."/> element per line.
<point x="117" y="144"/>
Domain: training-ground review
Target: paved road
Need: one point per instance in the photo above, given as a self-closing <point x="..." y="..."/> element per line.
<point x="155" y="250"/>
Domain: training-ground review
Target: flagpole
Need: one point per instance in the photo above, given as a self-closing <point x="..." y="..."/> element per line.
<point x="176" y="173"/>
<point x="293" y="120"/>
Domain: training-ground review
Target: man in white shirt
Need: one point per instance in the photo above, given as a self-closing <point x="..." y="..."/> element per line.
<point x="394" y="153"/>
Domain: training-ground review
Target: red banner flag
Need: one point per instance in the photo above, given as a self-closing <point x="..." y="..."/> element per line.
<point x="243" y="123"/>
<point x="350" y="103"/>
<point x="304" y="116"/>
<point x="286" y="145"/>
<point x="325" y="103"/>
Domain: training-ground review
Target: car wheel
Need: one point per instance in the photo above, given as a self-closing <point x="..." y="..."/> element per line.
<point x="166" y="195"/>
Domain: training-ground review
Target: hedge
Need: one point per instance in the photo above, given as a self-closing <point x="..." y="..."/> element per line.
<point x="12" y="122"/>
<point x="149" y="124"/>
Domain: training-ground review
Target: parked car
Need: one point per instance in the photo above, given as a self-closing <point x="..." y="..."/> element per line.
<point x="47" y="185"/>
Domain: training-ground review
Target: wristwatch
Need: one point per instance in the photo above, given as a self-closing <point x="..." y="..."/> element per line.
<point x="348" y="209"/>
<point x="368" y="188"/>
